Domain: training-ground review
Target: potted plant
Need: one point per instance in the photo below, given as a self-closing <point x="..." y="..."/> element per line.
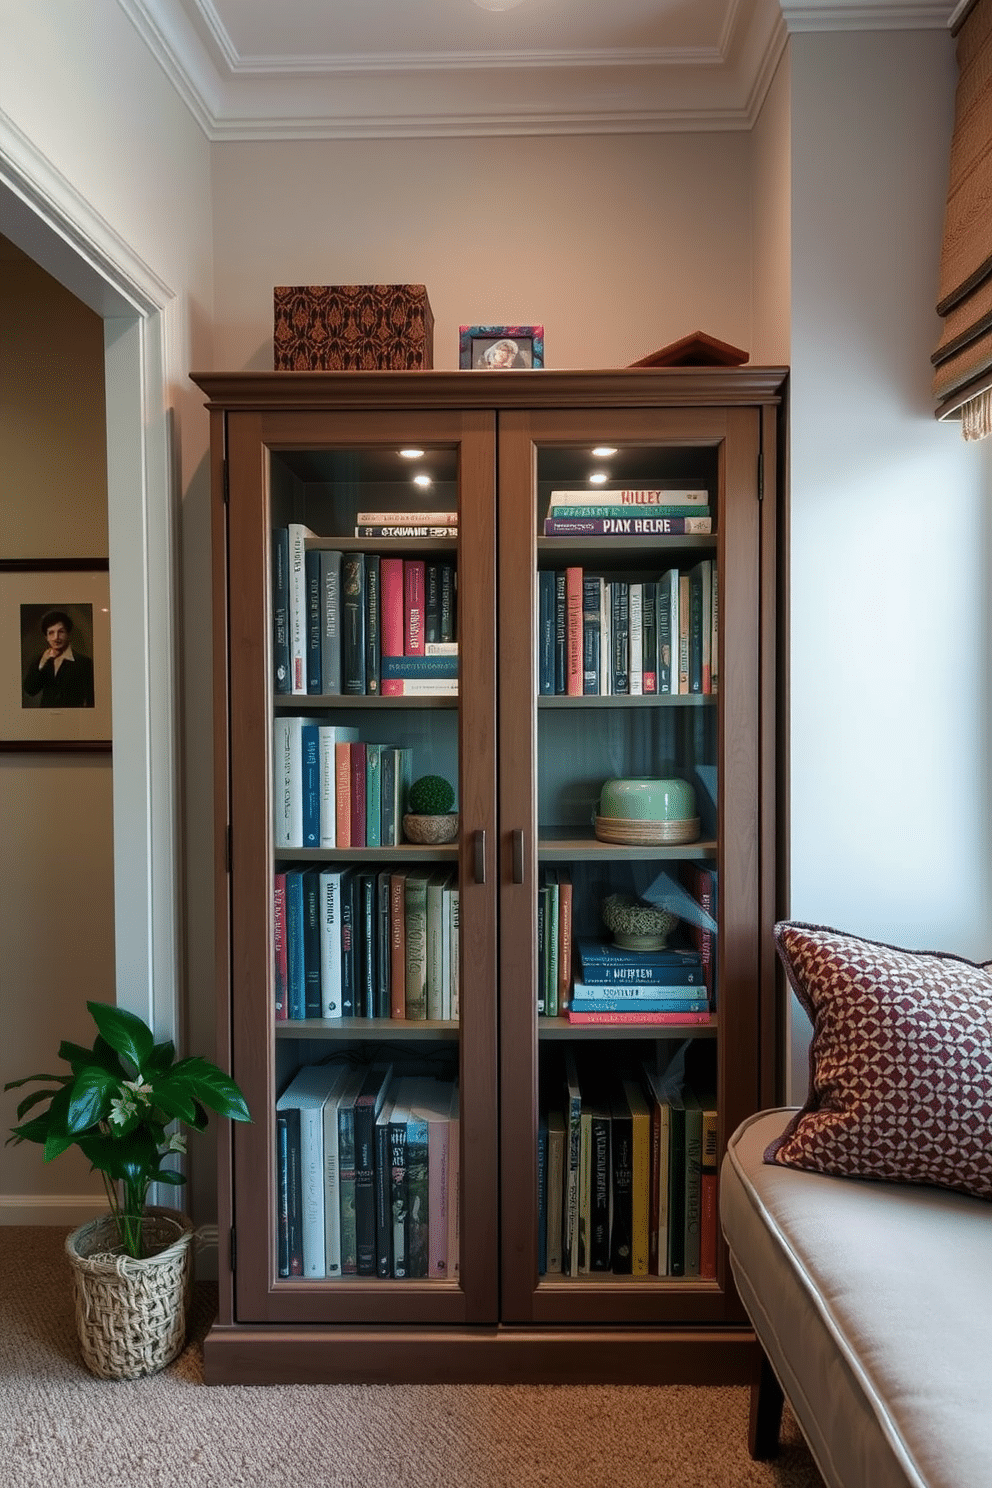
<point x="429" y="818"/>
<point x="124" y="1103"/>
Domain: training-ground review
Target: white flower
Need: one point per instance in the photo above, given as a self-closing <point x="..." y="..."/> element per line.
<point x="121" y="1111"/>
<point x="176" y="1143"/>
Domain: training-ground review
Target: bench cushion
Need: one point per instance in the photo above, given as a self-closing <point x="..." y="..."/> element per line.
<point x="873" y="1304"/>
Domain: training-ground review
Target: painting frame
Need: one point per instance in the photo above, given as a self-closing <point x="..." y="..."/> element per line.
<point x="76" y="588"/>
<point x="475" y="343"/>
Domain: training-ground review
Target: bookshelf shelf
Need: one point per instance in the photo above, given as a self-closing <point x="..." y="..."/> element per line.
<point x="293" y="461"/>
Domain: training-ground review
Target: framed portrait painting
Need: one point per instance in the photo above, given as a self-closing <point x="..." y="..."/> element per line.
<point x="501" y="348"/>
<point x="55" y="654"/>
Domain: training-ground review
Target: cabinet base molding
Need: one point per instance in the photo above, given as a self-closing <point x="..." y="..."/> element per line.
<point x="331" y="1355"/>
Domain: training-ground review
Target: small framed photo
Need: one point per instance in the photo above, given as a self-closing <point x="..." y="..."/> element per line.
<point x="55" y="654"/>
<point x="501" y="348"/>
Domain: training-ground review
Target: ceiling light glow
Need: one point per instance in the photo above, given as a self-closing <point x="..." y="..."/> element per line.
<point x="412" y="454"/>
<point x="603" y="451"/>
<point x="421" y="480"/>
<point x="598" y="478"/>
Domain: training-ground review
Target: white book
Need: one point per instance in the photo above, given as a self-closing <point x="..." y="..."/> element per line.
<point x="297" y="607"/>
<point x="635" y="660"/>
<point x="330" y="734"/>
<point x="634" y="497"/>
<point x="446" y="951"/>
<point x="420" y="687"/>
<point x="331" y="990"/>
<point x="308" y="1092"/>
<point x="435" y="942"/>
<point x="605" y="638"/>
<point x="287" y="781"/>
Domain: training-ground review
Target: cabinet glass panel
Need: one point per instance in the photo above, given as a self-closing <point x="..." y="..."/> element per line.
<point x="366" y="980"/>
<point x="628" y="653"/>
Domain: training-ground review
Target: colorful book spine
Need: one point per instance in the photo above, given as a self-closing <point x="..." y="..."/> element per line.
<point x="599" y="511"/>
<point x="626" y="526"/>
<point x="448" y="585"/>
<point x="311" y="943"/>
<point x="636" y="496"/>
<point x="413" y="606"/>
<point x="591" y="650"/>
<point x="342" y="790"/>
<point x="573" y="605"/>
<point x="330" y="635"/>
<point x="358" y="756"/>
<point x="296" y="994"/>
<point x="281" y="671"/>
<point x="373" y="623"/>
<point x="445" y="665"/>
<point x="391" y="606"/>
<point x="330" y="943"/>
<point x="579" y="1017"/>
<point x="353" y="624"/>
<point x="297" y="608"/>
<point x="280" y="971"/>
<point x="429" y="518"/>
<point x="638" y="1002"/>
<point x="314" y="619"/>
<point x="311" y="783"/>
<point x="405" y="529"/>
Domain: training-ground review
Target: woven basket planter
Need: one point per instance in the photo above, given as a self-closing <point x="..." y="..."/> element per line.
<point x="131" y="1315"/>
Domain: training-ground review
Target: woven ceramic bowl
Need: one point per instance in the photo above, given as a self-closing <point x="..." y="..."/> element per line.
<point x="430" y="831"/>
<point x="646" y="798"/>
<point x="637" y="926"/>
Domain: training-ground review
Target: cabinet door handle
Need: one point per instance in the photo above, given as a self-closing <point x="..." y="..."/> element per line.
<point x="480" y="857"/>
<point x="518" y="856"/>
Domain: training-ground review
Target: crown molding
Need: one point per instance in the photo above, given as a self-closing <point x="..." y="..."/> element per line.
<point x="849" y="15"/>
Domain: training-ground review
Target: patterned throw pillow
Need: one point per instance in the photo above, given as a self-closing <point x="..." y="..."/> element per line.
<point x="900" y="1062"/>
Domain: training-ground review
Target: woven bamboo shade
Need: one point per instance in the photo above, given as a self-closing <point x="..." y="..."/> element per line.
<point x="963" y="359"/>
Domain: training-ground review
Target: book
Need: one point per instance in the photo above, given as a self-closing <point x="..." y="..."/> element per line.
<point x="573" y="623"/>
<point x="399" y="668"/>
<point x="649" y="639"/>
<point x="625" y="526"/>
<point x="640" y="999"/>
<point x="454" y="957"/>
<point x="330" y="943"/>
<point x="281" y="674"/>
<point x="342" y="790"/>
<point x="598" y="511"/>
<point x="676" y="1184"/>
<point x="345" y="1093"/>
<point x="404" y="529"/>
<point x="329" y="735"/>
<point x="600" y="1195"/>
<point x="373" y="794"/>
<point x="383" y="955"/>
<point x="287" y="780"/>
<point x="432" y="603"/>
<point x="397" y="945"/>
<point x="454" y="1184"/>
<point x="570" y="1181"/>
<point x="449" y="588"/>
<point x="579" y="1017"/>
<point x="383" y="1186"/>
<point x="353" y="624"/>
<point x="297" y="607"/>
<point x="667" y="607"/>
<point x="431" y="686"/>
<point x="417" y="1190"/>
<point x="622" y="1234"/>
<point x="372" y="623"/>
<point x="638" y="496"/>
<point x="542" y="1190"/>
<point x="435" y="931"/>
<point x="358" y="757"/>
<point x="311" y="569"/>
<point x="640" y="1113"/>
<point x="421" y="518"/>
<point x="591" y="586"/>
<point x="311" y="942"/>
<point x="413" y="606"/>
<point x="391" y="606"/>
<point x="432" y="1101"/>
<point x="307" y="1093"/>
<point x="620" y="631"/>
<point x="368" y="1104"/>
<point x="655" y="1091"/>
<point x="555" y="1192"/>
<point x="684" y="632"/>
<point x="289" y="1236"/>
<point x="296" y="990"/>
<point x="365" y="934"/>
<point x="415" y="934"/>
<point x="708" y="1204"/>
<point x="349" y="971"/>
<point x="693" y="1176"/>
<point x="397" y="1174"/>
<point x="311" y="783"/>
<point x="346" y="1174"/>
<point x="280" y="969"/>
<point x="565" y="938"/>
<point x="546" y="633"/>
<point x="696" y="627"/>
<point x="397" y="773"/>
<point x="635" y="639"/>
<point x="605" y="964"/>
<point x="561" y="632"/>
<point x="330" y="633"/>
<point x="553" y="946"/>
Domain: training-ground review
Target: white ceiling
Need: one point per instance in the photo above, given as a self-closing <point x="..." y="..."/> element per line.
<point x="318" y="69"/>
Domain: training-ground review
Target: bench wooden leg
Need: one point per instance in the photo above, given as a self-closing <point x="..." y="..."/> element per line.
<point x="766" y="1411"/>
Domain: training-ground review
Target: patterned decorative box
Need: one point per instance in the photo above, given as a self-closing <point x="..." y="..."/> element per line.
<point x="352" y="327"/>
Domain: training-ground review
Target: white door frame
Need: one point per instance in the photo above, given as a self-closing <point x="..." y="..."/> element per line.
<point x="43" y="214"/>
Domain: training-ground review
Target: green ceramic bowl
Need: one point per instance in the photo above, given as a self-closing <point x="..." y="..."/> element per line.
<point x="644" y="798"/>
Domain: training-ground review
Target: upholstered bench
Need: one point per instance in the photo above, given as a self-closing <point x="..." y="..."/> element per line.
<point x="859" y="1226"/>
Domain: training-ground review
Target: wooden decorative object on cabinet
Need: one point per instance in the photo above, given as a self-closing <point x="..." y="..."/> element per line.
<point x="317" y="448"/>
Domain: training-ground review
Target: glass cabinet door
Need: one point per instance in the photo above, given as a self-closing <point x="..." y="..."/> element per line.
<point x="629" y="655"/>
<point x="362" y="676"/>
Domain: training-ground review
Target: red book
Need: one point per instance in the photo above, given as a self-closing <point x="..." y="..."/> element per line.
<point x="564" y="936"/>
<point x="279" y="929"/>
<point x="392" y="628"/>
<point x="414" y="586"/>
<point x="573" y="632"/>
<point x="342" y="793"/>
<point x="357" y="794"/>
<point x="575" y="1017"/>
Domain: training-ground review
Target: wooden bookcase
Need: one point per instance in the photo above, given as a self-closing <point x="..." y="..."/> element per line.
<point x="317" y="448"/>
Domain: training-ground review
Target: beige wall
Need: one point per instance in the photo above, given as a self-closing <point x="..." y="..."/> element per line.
<point x="56" y="811"/>
<point x="616" y="244"/>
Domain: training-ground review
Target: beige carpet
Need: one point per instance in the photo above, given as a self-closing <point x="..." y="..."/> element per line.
<point x="62" y="1428"/>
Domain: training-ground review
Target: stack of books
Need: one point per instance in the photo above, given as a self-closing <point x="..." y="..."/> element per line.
<point x="358" y="624"/>
<point x="613" y="985"/>
<point x="638" y="512"/>
<point x="332" y="789"/>
<point x="366" y="943"/>
<point x="367" y="1173"/>
<point x="627" y="1169"/>
<point x="604" y="636"/>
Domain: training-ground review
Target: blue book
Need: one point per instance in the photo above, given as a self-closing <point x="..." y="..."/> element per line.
<point x="546" y="632"/>
<point x="311" y="943"/>
<point x="314" y="619"/>
<point x="310" y="741"/>
<point x="373" y="794"/>
<point x="280" y="610"/>
<point x="419" y="666"/>
<point x="295" y="972"/>
<point x="604" y="963"/>
<point x="637" y="1000"/>
<point x="561" y="632"/>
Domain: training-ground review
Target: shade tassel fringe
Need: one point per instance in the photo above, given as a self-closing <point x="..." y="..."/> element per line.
<point x="976" y="416"/>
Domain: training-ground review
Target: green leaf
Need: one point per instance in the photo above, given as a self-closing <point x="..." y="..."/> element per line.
<point x="160" y="1060"/>
<point x="80" y="1058"/>
<point x="16" y="1084"/>
<point x="173" y="1098"/>
<point x="30" y="1101"/>
<point x="90" y="1098"/>
<point x="126" y="1033"/>
<point x="56" y="1144"/>
<point x="30" y="1131"/>
<point x="206" y="1083"/>
<point x="170" y="1176"/>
